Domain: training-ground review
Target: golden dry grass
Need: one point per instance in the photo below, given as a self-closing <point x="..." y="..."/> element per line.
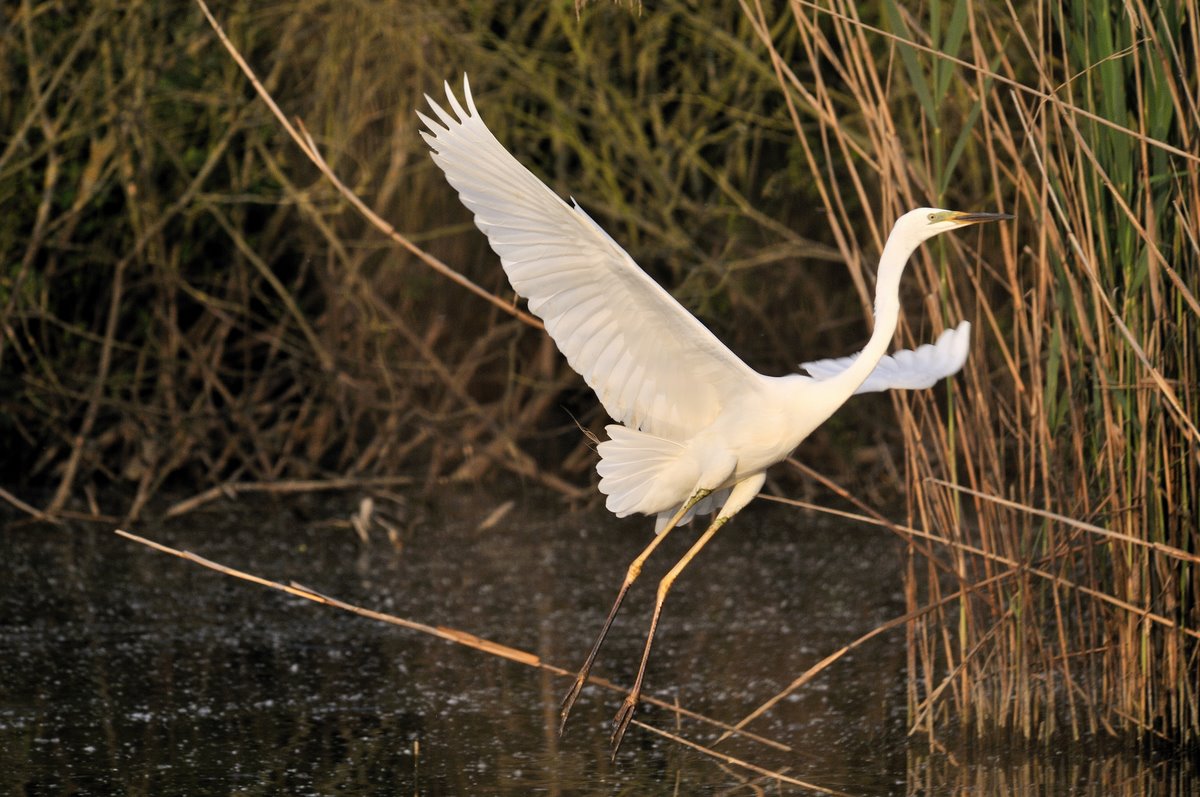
<point x="1059" y="474"/>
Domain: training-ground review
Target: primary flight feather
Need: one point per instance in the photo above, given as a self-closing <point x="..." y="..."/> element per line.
<point x="653" y="366"/>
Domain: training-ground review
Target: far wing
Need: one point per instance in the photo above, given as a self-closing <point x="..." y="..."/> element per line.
<point x="652" y="364"/>
<point x="907" y="369"/>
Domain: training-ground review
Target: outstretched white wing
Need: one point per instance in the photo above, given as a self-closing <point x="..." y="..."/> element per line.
<point x="907" y="369"/>
<point x="652" y="364"/>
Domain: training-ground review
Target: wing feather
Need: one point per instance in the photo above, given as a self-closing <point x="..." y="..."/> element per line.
<point x="907" y="369"/>
<point x="651" y="363"/>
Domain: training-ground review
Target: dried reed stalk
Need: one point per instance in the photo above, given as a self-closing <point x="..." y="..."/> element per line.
<point x="1068" y="460"/>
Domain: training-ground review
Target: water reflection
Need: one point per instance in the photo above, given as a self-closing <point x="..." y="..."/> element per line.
<point x="123" y="670"/>
<point x="1084" y="772"/>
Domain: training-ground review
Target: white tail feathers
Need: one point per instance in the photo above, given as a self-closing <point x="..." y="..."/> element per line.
<point x="641" y="472"/>
<point x="631" y="467"/>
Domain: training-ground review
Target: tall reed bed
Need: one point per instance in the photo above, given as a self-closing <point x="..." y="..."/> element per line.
<point x="1056" y="481"/>
<point x="185" y="300"/>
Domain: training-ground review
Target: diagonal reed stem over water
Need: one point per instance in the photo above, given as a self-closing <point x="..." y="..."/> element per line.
<point x="510" y="654"/>
<point x="442" y="632"/>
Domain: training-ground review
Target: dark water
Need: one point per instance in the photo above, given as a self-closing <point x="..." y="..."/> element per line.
<point x="126" y="671"/>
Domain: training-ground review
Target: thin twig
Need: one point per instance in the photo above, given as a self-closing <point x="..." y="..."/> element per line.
<point x="233" y="489"/>
<point x="738" y="762"/>
<point x="823" y="664"/>
<point x="32" y="511"/>
<point x="1112" y="600"/>
<point x="1168" y="550"/>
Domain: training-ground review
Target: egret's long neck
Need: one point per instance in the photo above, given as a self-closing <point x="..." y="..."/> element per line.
<point x="887" y="312"/>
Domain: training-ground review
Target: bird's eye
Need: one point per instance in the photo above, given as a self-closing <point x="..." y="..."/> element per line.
<point x="932" y="216"/>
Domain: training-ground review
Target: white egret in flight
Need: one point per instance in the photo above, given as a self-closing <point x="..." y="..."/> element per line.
<point x="698" y="428"/>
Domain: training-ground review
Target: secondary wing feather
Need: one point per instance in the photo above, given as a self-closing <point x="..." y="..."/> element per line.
<point x="652" y="364"/>
<point x="907" y="369"/>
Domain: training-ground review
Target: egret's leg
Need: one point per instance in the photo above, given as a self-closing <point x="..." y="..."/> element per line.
<point x="743" y="492"/>
<point x="635" y="569"/>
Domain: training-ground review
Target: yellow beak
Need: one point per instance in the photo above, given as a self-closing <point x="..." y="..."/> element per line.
<point x="976" y="218"/>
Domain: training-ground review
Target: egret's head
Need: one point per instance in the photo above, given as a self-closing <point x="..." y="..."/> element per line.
<point x="924" y="223"/>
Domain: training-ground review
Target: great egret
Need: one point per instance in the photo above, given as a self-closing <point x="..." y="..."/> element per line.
<point x="698" y="427"/>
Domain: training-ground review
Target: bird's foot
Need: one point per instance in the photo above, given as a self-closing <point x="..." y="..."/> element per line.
<point x="622" y="720"/>
<point x="568" y="702"/>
